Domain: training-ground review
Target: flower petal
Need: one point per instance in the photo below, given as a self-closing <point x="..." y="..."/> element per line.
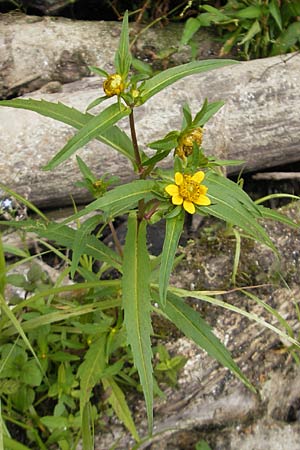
<point x="202" y="200"/>
<point x="198" y="176"/>
<point x="172" y="189"/>
<point x="178" y="178"/>
<point x="203" y="189"/>
<point x="177" y="200"/>
<point x="189" y="206"/>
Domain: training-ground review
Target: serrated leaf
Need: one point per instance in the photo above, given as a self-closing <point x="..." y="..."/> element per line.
<point x="123" y="55"/>
<point x="194" y="327"/>
<point x="118" y="402"/>
<point x="174" y="228"/>
<point x="119" y="199"/>
<point x="87" y="428"/>
<point x="91" y="370"/>
<point x="231" y="204"/>
<point x="167" y="77"/>
<point x="92" y="129"/>
<point x="137" y="306"/>
<point x="65" y="236"/>
<point x="113" y="137"/>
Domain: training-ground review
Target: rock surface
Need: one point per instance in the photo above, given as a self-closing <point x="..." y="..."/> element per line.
<point x="259" y="123"/>
<point x="37" y="50"/>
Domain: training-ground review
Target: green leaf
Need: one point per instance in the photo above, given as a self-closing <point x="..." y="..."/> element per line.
<point x="167" y="143"/>
<point x="119" y="199"/>
<point x="202" y="445"/>
<point x="31" y="373"/>
<point x="206" y="113"/>
<point x="194" y="327"/>
<point x="66" y="236"/>
<point x="187" y="116"/>
<point x="142" y="67"/>
<point x="167" y="77"/>
<point x="92" y="129"/>
<point x="11" y="444"/>
<point x="191" y="27"/>
<point x="137" y="306"/>
<point x="254" y="29"/>
<point x="118" y="402"/>
<point x="16" y="324"/>
<point x="251" y="12"/>
<point x="2" y="268"/>
<point x="287" y="40"/>
<point x="113" y="137"/>
<point x="96" y="102"/>
<point x="250" y="315"/>
<point x="87" y="428"/>
<point x="98" y="71"/>
<point x="174" y="228"/>
<point x="272" y="214"/>
<point x="231" y="204"/>
<point x="123" y="55"/>
<point x="85" y="170"/>
<point x="275" y="12"/>
<point x="80" y="240"/>
<point x="91" y="370"/>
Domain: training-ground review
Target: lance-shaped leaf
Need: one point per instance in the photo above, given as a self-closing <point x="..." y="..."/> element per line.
<point x="173" y="231"/>
<point x="167" y="77"/>
<point x="119" y="199"/>
<point x="91" y="370"/>
<point x="93" y="128"/>
<point x="123" y="56"/>
<point x="113" y="136"/>
<point x="66" y="236"/>
<point x="194" y="327"/>
<point x="80" y="240"/>
<point x="118" y="402"/>
<point x="231" y="204"/>
<point x="137" y="306"/>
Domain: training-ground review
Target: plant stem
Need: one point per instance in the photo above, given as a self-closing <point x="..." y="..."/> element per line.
<point x="135" y="144"/>
<point x="115" y="238"/>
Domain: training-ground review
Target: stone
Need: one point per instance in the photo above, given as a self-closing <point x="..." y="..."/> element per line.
<point x="258" y="124"/>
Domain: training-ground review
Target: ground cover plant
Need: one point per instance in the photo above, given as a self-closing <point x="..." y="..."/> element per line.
<point x="257" y="28"/>
<point x="70" y="352"/>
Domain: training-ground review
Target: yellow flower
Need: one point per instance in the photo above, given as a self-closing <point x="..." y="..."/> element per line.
<point x="113" y="85"/>
<point x="185" y="147"/>
<point x="188" y="191"/>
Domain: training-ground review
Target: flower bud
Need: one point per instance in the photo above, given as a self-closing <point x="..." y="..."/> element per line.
<point x="113" y="85"/>
<point x="186" y="141"/>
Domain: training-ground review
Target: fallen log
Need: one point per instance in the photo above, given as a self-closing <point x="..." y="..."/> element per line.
<point x="259" y="124"/>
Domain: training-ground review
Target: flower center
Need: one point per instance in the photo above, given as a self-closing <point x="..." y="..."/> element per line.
<point x="189" y="189"/>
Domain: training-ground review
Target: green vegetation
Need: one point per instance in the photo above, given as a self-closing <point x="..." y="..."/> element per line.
<point x="72" y="348"/>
